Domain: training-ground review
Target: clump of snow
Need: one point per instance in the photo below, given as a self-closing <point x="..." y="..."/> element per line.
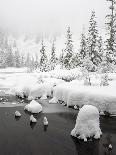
<point x="75" y="107"/>
<point x="45" y="121"/>
<point x="110" y="146"/>
<point x="33" y="107"/>
<point x="87" y="123"/>
<point x="53" y="100"/>
<point x="14" y="103"/>
<point x="17" y="114"/>
<point x="32" y="119"/>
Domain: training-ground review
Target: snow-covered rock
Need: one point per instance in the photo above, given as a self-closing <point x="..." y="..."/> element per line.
<point x="53" y="100"/>
<point x="75" y="107"/>
<point x="32" y="119"/>
<point x="45" y="121"/>
<point x="33" y="107"/>
<point x="87" y="123"/>
<point x="17" y="114"/>
<point x="110" y="146"/>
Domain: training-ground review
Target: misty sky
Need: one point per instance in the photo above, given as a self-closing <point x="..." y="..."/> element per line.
<point x="50" y="16"/>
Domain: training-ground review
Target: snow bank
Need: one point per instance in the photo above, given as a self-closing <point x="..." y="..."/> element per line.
<point x="45" y="89"/>
<point x="23" y="84"/>
<point x="104" y="98"/>
<point x="33" y="107"/>
<point x="64" y="74"/>
<point x="87" y="123"/>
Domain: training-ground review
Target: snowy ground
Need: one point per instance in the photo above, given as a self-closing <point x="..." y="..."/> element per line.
<point x="66" y="86"/>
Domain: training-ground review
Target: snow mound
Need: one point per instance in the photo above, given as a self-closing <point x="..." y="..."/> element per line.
<point x="87" y="123"/>
<point x="45" y="121"/>
<point x="17" y="114"/>
<point x="32" y="119"/>
<point x="33" y="107"/>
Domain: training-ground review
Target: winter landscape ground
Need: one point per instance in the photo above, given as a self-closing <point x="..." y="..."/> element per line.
<point x="18" y="88"/>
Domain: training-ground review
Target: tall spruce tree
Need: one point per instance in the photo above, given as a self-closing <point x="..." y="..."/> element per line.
<point x="92" y="40"/>
<point x="43" y="59"/>
<point x="83" y="48"/>
<point x="9" y="58"/>
<point x="53" y="57"/>
<point x="17" y="60"/>
<point x="61" y="59"/>
<point x="111" y="33"/>
<point x="68" y="55"/>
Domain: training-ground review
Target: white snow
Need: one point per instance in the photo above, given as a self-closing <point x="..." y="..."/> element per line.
<point x="110" y="146"/>
<point x="32" y="119"/>
<point x="45" y="89"/>
<point x="17" y="114"/>
<point x="45" y="121"/>
<point x="87" y="123"/>
<point x="72" y="93"/>
<point x="33" y="107"/>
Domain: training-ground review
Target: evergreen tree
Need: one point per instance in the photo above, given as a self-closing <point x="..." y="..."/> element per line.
<point x="61" y="59"/>
<point x="17" y="61"/>
<point x="9" y="58"/>
<point x="36" y="61"/>
<point x="2" y="59"/>
<point x="92" y="41"/>
<point x="22" y="61"/>
<point x="53" y="57"/>
<point x="111" y="35"/>
<point x="83" y="46"/>
<point x="68" y="63"/>
<point x="28" y="60"/>
<point x="6" y="46"/>
<point x="43" y="59"/>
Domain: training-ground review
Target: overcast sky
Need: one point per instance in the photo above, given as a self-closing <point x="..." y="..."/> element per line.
<point x="50" y="16"/>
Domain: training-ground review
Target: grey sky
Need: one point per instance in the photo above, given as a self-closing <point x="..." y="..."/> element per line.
<point x="50" y="16"/>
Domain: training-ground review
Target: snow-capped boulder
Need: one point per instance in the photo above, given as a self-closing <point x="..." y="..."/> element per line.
<point x="17" y="114"/>
<point x="32" y="119"/>
<point x="45" y="121"/>
<point x="87" y="123"/>
<point x="33" y="107"/>
<point x="53" y="100"/>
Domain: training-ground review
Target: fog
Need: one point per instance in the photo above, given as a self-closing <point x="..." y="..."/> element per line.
<point x="50" y="16"/>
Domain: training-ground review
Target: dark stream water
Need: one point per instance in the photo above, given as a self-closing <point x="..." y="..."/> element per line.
<point x="20" y="137"/>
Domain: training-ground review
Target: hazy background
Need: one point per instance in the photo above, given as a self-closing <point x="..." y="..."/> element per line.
<point x="50" y="16"/>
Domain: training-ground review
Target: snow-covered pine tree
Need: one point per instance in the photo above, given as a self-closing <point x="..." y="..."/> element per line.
<point x="61" y="59"/>
<point x="6" y="46"/>
<point x="28" y="60"/>
<point x="53" y="57"/>
<point x="43" y="59"/>
<point x="22" y="60"/>
<point x="17" y="60"/>
<point x="111" y="33"/>
<point x="83" y="46"/>
<point x="36" y="61"/>
<point x="68" y="55"/>
<point x="92" y="41"/>
<point x="9" y="58"/>
<point x="76" y="59"/>
<point x="2" y="59"/>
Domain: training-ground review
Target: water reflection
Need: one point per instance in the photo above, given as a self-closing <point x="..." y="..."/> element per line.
<point x="45" y="127"/>
<point x="32" y="125"/>
<point x="86" y="148"/>
<point x="17" y="118"/>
